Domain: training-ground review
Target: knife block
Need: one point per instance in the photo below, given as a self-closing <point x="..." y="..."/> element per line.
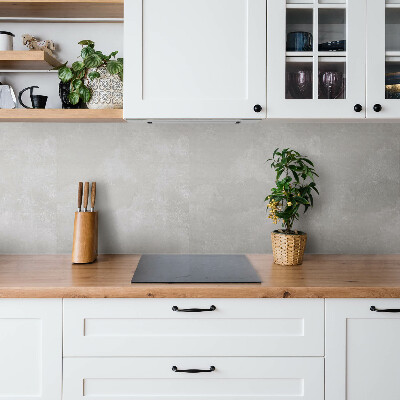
<point x="84" y="246"/>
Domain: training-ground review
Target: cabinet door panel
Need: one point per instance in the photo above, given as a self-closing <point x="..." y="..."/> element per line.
<point x="30" y="349"/>
<point x="305" y="77"/>
<point x="233" y="378"/>
<point x="237" y="327"/>
<point x="383" y="59"/>
<point x="362" y="350"/>
<point x="195" y="59"/>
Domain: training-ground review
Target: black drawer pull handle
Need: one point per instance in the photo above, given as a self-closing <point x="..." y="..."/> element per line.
<point x="193" y="371"/>
<point x="373" y="308"/>
<point x="175" y="308"/>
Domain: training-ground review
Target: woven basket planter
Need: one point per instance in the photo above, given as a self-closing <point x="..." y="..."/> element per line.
<point x="288" y="249"/>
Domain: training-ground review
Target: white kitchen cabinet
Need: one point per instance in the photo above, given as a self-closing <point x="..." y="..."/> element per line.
<point x="305" y="80"/>
<point x="362" y="349"/>
<point x="195" y="59"/>
<point x="383" y="59"/>
<point x="30" y="349"/>
<point x="151" y="327"/>
<point x="233" y="378"/>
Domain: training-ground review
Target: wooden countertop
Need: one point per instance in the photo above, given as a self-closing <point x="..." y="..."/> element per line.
<point x="323" y="276"/>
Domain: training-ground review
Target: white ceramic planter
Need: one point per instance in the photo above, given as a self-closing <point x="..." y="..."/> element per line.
<point x="107" y="91"/>
<point x="6" y="41"/>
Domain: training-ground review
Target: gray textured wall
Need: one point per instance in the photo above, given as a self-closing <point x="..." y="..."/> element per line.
<point x="195" y="187"/>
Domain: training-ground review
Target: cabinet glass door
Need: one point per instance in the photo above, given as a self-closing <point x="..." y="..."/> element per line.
<point x="315" y="60"/>
<point x="383" y="58"/>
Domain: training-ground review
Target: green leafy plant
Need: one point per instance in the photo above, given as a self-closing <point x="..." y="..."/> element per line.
<point x="76" y="74"/>
<point x="294" y="186"/>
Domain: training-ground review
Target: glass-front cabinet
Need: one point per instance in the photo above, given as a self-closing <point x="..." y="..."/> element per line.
<point x="316" y="58"/>
<point x="383" y="58"/>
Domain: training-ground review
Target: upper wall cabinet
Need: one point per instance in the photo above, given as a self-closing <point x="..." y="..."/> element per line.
<point x="316" y="58"/>
<point x="195" y="59"/>
<point x="383" y="59"/>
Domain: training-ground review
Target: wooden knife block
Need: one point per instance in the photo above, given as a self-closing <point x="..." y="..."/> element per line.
<point x="84" y="246"/>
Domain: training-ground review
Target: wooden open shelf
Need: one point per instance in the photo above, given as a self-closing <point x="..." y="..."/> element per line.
<point x="60" y="115"/>
<point x="27" y="60"/>
<point x="62" y="9"/>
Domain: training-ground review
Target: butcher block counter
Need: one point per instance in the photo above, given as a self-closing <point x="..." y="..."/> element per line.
<point x="320" y="276"/>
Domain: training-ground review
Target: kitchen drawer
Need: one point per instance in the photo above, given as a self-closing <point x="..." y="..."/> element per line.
<point x="150" y="327"/>
<point x="233" y="378"/>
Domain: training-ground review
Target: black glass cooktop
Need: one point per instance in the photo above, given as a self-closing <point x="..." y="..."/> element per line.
<point x="195" y="268"/>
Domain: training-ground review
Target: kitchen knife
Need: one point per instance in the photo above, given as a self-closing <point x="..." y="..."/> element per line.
<point x="80" y="190"/>
<point x="93" y="196"/>
<point x="85" y="196"/>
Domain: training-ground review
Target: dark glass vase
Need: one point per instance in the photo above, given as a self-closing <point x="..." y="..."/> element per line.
<point x="64" y="92"/>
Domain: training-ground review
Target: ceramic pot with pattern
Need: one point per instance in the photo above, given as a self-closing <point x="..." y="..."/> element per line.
<point x="107" y="91"/>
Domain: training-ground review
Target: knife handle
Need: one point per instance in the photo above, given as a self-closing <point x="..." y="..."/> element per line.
<point x="85" y="196"/>
<point x="93" y="195"/>
<point x="80" y="191"/>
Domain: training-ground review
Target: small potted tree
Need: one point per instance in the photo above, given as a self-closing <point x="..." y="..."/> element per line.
<point x="294" y="186"/>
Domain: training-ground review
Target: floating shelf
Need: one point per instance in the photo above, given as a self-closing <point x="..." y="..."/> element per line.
<point x="62" y="9"/>
<point x="60" y="115"/>
<point x="27" y="60"/>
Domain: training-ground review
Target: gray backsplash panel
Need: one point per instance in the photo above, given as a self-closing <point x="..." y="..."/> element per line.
<point x="195" y="188"/>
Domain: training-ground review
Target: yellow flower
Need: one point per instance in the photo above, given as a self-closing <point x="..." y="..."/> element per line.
<point x="289" y="204"/>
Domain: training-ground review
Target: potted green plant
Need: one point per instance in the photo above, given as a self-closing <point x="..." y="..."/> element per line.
<point x="95" y="80"/>
<point x="294" y="182"/>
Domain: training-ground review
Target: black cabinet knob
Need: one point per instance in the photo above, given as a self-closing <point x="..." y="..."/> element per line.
<point x="257" y="108"/>
<point x="377" y="107"/>
<point x="358" y="108"/>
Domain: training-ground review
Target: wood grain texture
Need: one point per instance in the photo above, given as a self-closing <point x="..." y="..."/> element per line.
<point x="320" y="276"/>
<point x="80" y="191"/>
<point x="27" y="60"/>
<point x="93" y="195"/>
<point x="84" y="245"/>
<point x="62" y="9"/>
<point x="59" y="115"/>
<point x="85" y="195"/>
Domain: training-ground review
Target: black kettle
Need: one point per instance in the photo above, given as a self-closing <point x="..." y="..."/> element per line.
<point x="37" y="100"/>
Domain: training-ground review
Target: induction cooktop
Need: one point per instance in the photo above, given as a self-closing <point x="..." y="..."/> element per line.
<point x="194" y="268"/>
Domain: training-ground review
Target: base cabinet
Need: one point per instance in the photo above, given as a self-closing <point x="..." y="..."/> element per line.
<point x="243" y="349"/>
<point x="30" y="349"/>
<point x="362" y="349"/>
<point x="233" y="378"/>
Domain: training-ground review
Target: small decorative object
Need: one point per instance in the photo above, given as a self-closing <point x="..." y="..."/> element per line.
<point x="34" y="44"/>
<point x="336" y="45"/>
<point x="38" y="101"/>
<point x="106" y="90"/>
<point x="7" y="97"/>
<point x="392" y="91"/>
<point x="331" y="85"/>
<point x="64" y="90"/>
<point x="299" y="41"/>
<point x="299" y="84"/>
<point x="6" y="41"/>
<point x="96" y="80"/>
<point x="294" y="186"/>
<point x="392" y="78"/>
<point x="84" y="244"/>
